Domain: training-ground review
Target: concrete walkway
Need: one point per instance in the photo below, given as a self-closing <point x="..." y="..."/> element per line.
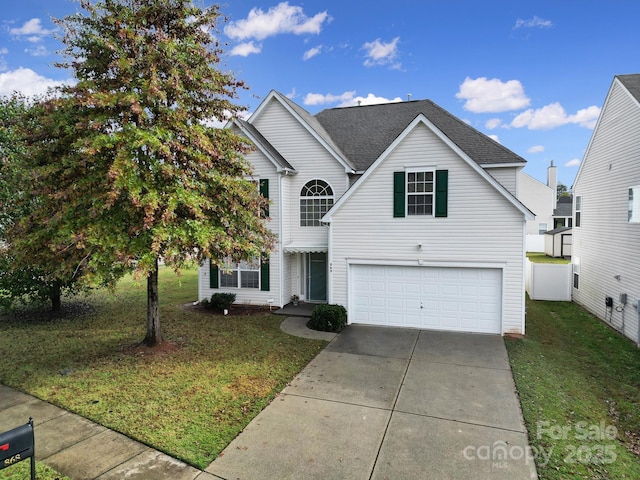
<point x="387" y="403"/>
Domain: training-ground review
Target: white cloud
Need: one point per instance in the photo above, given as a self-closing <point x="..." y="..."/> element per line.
<point x="536" y="149"/>
<point x="292" y="94"/>
<point x="494" y="137"/>
<point x="491" y="96"/>
<point x="312" y="52"/>
<point x="283" y="18"/>
<point x="245" y="49"/>
<point x="572" y="163"/>
<point x="380" y="53"/>
<point x="222" y="122"/>
<point x="27" y="82"/>
<point x="3" y="63"/>
<point x="586" y="117"/>
<point x="39" y="51"/>
<point x="371" y="99"/>
<point x="493" y="123"/>
<point x="347" y="99"/>
<point x="32" y="30"/>
<point x="535" y="22"/>
<point x="553" y="116"/>
<point x="319" y="99"/>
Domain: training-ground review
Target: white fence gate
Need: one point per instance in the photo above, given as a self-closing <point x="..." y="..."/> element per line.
<point x="548" y="281"/>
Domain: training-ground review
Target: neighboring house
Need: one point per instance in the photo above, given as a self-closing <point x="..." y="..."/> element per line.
<point x="541" y="200"/>
<point x="606" y="227"/>
<point x="563" y="214"/>
<point x="401" y="212"/>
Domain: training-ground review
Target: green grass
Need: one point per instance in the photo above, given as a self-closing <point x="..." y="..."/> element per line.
<point x="579" y="383"/>
<point x="189" y="403"/>
<point x="22" y="471"/>
<point x="538" y="257"/>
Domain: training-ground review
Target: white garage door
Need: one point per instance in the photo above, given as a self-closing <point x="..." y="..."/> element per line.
<point x="456" y="299"/>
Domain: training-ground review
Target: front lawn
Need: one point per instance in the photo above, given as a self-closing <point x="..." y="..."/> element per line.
<point x="539" y="257"/>
<point x="189" y="399"/>
<point x="579" y="386"/>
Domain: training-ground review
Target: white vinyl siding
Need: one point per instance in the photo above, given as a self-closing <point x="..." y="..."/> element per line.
<point x="481" y="226"/>
<point x="606" y="243"/>
<point x="539" y="198"/>
<point x="310" y="159"/>
<point x="507" y="176"/>
<point x="263" y="169"/>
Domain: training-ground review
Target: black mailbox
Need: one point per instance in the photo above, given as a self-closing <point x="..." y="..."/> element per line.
<point x="17" y="445"/>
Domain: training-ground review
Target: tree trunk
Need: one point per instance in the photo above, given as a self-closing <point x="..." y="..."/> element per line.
<point x="55" y="295"/>
<point x="154" y="335"/>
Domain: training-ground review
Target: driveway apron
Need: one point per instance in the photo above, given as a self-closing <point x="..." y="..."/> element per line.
<point x="390" y="403"/>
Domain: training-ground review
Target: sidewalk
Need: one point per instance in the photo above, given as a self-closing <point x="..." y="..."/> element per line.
<point x="81" y="449"/>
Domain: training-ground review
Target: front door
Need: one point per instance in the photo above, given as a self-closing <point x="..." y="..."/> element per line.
<point x="317" y="277"/>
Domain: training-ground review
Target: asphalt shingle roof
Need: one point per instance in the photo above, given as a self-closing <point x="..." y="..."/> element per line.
<point x="363" y="133"/>
<point x="631" y="83"/>
<point x="564" y="207"/>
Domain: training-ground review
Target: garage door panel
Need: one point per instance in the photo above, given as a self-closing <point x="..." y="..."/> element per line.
<point x="458" y="299"/>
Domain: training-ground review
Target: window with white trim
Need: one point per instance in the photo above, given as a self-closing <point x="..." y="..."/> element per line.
<point x="578" y="210"/>
<point x="420" y="193"/>
<point x="634" y="205"/>
<point x="241" y="275"/>
<point x="542" y="228"/>
<point x="316" y="198"/>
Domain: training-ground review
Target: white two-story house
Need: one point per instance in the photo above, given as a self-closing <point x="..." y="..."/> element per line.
<point x="400" y="212"/>
<point x="606" y="210"/>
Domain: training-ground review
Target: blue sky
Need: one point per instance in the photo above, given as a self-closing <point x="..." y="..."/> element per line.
<point x="532" y="74"/>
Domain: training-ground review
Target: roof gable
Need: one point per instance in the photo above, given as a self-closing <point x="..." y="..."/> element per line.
<point x="309" y="123"/>
<point x="363" y="133"/>
<point x="631" y="84"/>
<point x="421" y="119"/>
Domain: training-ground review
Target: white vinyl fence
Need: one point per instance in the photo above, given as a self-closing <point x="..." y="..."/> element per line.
<point x="548" y="281"/>
<point x="535" y="243"/>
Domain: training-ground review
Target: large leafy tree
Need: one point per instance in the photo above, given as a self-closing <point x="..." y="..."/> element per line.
<point x="128" y="171"/>
<point x="22" y="278"/>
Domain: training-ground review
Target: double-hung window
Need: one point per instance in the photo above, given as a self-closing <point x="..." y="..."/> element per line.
<point x="241" y="275"/>
<point x="634" y="205"/>
<point x="420" y="192"/>
<point x="578" y="214"/>
<point x="420" y="187"/>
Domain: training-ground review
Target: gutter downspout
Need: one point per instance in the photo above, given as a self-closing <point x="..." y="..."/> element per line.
<point x="281" y="252"/>
<point x="524" y="273"/>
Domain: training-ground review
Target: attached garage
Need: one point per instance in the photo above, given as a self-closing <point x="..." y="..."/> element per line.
<point x="462" y="299"/>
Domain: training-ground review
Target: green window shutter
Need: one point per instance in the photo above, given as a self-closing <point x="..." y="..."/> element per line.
<point x="264" y="191"/>
<point x="213" y="275"/>
<point x="398" y="194"/>
<point x="442" y="189"/>
<point x="264" y="274"/>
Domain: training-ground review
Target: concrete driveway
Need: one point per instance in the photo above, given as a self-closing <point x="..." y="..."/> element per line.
<point x="389" y="403"/>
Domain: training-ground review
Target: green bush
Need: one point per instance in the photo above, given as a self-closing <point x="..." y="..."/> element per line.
<point x="221" y="301"/>
<point x="328" y="318"/>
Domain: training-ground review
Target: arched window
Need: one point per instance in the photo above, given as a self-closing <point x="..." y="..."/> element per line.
<point x="316" y="198"/>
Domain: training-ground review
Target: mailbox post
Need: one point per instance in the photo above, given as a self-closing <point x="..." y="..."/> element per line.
<point x="17" y="445"/>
